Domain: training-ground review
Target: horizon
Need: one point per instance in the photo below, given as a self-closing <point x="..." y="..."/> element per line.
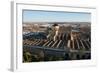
<point x="56" y="22"/>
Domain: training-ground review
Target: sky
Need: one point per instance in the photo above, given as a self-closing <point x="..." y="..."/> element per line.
<point x="53" y="16"/>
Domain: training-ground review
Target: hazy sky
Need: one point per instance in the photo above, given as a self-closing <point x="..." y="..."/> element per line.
<point x="48" y="16"/>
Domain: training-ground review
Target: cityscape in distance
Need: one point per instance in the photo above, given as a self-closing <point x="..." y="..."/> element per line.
<point x="53" y="39"/>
